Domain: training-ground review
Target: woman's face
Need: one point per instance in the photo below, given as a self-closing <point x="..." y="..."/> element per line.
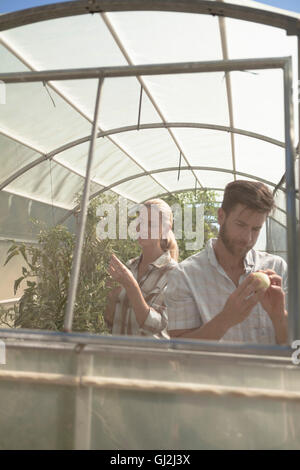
<point x="153" y="226"/>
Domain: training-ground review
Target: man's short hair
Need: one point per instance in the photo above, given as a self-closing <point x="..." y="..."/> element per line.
<point x="254" y="195"/>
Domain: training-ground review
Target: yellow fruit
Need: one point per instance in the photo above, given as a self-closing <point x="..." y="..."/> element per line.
<point x="264" y="280"/>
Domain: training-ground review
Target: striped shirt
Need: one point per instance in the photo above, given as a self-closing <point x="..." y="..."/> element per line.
<point x="199" y="288"/>
<point x="152" y="285"/>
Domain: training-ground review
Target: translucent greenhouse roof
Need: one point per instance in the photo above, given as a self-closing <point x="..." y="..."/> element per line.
<point x="220" y="125"/>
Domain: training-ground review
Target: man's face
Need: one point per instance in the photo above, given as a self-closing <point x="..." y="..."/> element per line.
<point x="239" y="229"/>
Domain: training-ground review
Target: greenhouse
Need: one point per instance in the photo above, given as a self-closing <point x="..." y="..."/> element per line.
<point x="120" y="102"/>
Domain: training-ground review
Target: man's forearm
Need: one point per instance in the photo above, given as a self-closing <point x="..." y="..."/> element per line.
<point x="281" y="329"/>
<point x="215" y="329"/>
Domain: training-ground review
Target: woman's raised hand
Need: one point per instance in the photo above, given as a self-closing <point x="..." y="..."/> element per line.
<point x="119" y="272"/>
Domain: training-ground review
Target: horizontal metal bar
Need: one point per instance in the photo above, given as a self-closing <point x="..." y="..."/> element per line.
<point x="142" y="342"/>
<point x="146" y="69"/>
<point x="147" y="386"/>
<point x="279" y="358"/>
<point x="206" y="7"/>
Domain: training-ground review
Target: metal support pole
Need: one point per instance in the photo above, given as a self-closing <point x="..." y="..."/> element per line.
<point x="83" y="405"/>
<point x="140" y="108"/>
<point x="292" y="239"/>
<point x="83" y="213"/>
<point x="144" y="69"/>
<point x="298" y="149"/>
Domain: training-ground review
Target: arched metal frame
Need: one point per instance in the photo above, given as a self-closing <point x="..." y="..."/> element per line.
<point x="291" y="25"/>
<point x="53" y="153"/>
<point x="164" y="170"/>
<point x="139" y="127"/>
<point x="204" y="7"/>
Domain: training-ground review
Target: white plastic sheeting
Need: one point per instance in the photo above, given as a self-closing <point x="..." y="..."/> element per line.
<point x="46" y="117"/>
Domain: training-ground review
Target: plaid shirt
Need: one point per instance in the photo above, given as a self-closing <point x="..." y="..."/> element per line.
<point x="152" y="285"/>
<point x="199" y="288"/>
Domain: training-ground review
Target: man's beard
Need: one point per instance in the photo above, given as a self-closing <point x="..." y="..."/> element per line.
<point x="231" y="245"/>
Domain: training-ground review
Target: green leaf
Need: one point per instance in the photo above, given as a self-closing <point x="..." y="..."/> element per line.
<point x="31" y="283"/>
<point x="17" y="283"/>
<point x="14" y="253"/>
<point x="23" y="252"/>
<point x="35" y="257"/>
<point x="13" y="247"/>
<point x="24" y="271"/>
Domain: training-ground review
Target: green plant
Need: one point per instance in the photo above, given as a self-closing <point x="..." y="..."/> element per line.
<point x="208" y="198"/>
<point x="46" y="272"/>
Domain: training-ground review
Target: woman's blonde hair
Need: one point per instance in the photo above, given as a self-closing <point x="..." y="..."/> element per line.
<point x="169" y="243"/>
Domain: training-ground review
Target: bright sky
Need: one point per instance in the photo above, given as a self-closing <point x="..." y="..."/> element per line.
<point x="12" y="5"/>
<point x="293" y="5"/>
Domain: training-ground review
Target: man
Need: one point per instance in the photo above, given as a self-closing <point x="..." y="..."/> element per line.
<point x="213" y="295"/>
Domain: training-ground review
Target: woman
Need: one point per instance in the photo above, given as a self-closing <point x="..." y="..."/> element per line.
<point x="137" y="306"/>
